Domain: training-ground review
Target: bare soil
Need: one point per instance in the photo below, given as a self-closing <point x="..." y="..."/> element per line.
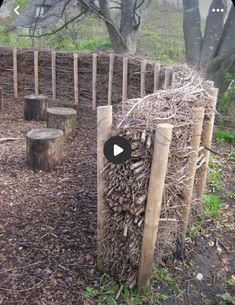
<point x="48" y="226"/>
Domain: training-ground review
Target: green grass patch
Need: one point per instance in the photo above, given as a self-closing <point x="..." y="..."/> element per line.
<point x="225" y="135"/>
<point x="226" y="299"/>
<point x="215" y="174"/>
<point x="212" y="205"/>
<point x="195" y="228"/>
<point x="108" y="289"/>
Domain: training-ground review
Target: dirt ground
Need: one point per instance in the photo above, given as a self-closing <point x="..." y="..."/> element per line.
<point x="48" y="226"/>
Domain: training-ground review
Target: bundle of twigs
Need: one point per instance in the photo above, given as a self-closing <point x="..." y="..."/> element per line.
<point x="127" y="184"/>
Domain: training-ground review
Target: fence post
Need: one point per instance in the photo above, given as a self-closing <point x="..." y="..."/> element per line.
<point x="94" y="80"/>
<point x="154" y="201"/>
<point x="110" y="88"/>
<point x="143" y="78"/>
<point x="75" y="73"/>
<point x="1" y="98"/>
<point x="190" y="176"/>
<point x="207" y="134"/>
<point x="167" y="78"/>
<point x="36" y="83"/>
<point x="124" y="79"/>
<point x="15" y="73"/>
<point x="104" y="131"/>
<point x="157" y="69"/>
<point x="53" y="74"/>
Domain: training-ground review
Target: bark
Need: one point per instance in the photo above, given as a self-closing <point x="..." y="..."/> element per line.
<point x="117" y="41"/>
<point x="124" y="37"/>
<point x="213" y="32"/>
<point x="227" y="40"/>
<point x="192" y="31"/>
<point x="128" y="27"/>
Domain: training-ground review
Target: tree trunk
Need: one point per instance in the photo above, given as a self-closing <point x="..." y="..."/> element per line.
<point x="192" y="31"/>
<point x="227" y="39"/>
<point x="44" y="148"/>
<point x="117" y="41"/>
<point x="128" y="27"/>
<point x="124" y="38"/>
<point x="213" y="32"/>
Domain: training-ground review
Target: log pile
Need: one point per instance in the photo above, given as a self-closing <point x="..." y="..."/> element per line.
<point x="126" y="185"/>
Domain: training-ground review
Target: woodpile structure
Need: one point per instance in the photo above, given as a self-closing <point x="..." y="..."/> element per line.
<point x="129" y="233"/>
<point x="167" y="113"/>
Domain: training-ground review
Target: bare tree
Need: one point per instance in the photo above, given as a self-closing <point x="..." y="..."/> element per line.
<point x="122" y="18"/>
<point x="214" y="52"/>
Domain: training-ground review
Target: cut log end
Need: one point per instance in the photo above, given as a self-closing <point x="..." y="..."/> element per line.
<point x="44" y="148"/>
<point x="62" y="118"/>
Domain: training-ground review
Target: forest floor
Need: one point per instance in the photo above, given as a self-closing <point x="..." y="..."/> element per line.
<point x="48" y="231"/>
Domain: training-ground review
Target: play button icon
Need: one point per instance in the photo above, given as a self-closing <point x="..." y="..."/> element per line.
<point x="117" y="150"/>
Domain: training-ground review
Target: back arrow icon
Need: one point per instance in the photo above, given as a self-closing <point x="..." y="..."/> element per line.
<point x="16" y="10"/>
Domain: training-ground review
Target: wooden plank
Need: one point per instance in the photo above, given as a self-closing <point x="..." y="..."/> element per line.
<point x="53" y="74"/>
<point x="110" y="85"/>
<point x="143" y="78"/>
<point x="36" y="73"/>
<point x="157" y="69"/>
<point x="167" y="81"/>
<point x="154" y="201"/>
<point x="1" y="98"/>
<point x="15" y="73"/>
<point x="125" y="79"/>
<point x="75" y="72"/>
<point x="104" y="131"/>
<point x="207" y="134"/>
<point x="94" y="81"/>
<point x="187" y="194"/>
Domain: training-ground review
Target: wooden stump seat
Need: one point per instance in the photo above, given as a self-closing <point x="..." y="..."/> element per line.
<point x="44" y="148"/>
<point x="62" y="118"/>
<point x="35" y="107"/>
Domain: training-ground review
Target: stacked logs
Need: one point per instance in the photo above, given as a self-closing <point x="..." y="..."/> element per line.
<point x="126" y="185"/>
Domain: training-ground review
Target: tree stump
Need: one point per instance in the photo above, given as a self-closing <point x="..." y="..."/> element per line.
<point x="35" y="108"/>
<point x="62" y="118"/>
<point x="44" y="148"/>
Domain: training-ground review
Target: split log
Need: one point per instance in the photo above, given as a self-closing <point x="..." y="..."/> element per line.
<point x="44" y="148"/>
<point x="62" y="118"/>
<point x="154" y="201"/>
<point x="35" y="107"/>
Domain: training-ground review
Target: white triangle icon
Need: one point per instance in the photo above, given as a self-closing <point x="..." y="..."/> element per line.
<point x="117" y="150"/>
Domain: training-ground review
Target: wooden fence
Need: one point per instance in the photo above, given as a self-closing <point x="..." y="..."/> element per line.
<point x="98" y="79"/>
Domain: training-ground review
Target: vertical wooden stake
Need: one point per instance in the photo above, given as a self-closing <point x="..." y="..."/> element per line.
<point x="75" y="73"/>
<point x="207" y="134"/>
<point x="104" y="132"/>
<point x="124" y="79"/>
<point x="190" y="176"/>
<point x="143" y="77"/>
<point x="154" y="201"/>
<point x="110" y="88"/>
<point x="53" y="74"/>
<point x="36" y="82"/>
<point x="1" y="98"/>
<point x="167" y="80"/>
<point x="15" y="73"/>
<point x="94" y="81"/>
<point x="157" y="69"/>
